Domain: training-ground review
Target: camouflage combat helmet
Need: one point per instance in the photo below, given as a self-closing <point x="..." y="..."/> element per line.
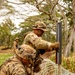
<point x="40" y="25"/>
<point x="25" y="52"/>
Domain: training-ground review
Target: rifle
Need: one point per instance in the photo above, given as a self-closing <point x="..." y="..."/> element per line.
<point x="38" y="59"/>
<point x="59" y="52"/>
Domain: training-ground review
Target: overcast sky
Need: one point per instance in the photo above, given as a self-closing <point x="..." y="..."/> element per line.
<point x="22" y="12"/>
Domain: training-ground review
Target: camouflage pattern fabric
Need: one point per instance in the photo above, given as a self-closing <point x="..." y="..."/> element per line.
<point x="50" y="68"/>
<point x="21" y="63"/>
<point x="15" y="44"/>
<point x="39" y="44"/>
<point x="25" y="52"/>
<point x="40" y="25"/>
<point x="47" y="68"/>
<point x="12" y="66"/>
<point x="36" y="42"/>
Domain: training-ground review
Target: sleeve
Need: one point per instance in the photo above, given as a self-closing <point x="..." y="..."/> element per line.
<point x="39" y="43"/>
<point x="42" y="44"/>
<point x="17" y="69"/>
<point x="2" y="72"/>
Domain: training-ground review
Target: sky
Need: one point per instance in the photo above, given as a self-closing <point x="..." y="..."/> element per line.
<point x="25" y="10"/>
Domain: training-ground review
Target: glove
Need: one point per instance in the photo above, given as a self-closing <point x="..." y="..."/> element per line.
<point x="55" y="46"/>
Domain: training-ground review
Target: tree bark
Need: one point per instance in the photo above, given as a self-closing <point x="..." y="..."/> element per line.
<point x="69" y="45"/>
<point x="73" y="7"/>
<point x="72" y="36"/>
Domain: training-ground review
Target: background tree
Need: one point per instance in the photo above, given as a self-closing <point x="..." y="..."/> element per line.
<point x="5" y="32"/>
<point x="57" y="11"/>
<point x="51" y="11"/>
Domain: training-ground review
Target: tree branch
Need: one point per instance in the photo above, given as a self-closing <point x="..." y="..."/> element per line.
<point x="66" y="9"/>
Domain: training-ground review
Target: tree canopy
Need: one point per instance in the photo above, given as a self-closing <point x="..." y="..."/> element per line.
<point x="51" y="12"/>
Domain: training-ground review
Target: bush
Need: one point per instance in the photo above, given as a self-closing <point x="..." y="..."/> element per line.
<point x="4" y="56"/>
<point x="67" y="63"/>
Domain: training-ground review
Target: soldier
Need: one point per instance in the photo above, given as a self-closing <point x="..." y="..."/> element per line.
<point x="15" y="43"/>
<point x="34" y="40"/>
<point x="21" y="63"/>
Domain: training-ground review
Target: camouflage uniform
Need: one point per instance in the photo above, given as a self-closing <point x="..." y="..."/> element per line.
<point x="37" y="42"/>
<point x="15" y="43"/>
<point x="21" y="63"/>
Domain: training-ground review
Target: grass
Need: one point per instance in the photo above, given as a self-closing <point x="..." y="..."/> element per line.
<point x="4" y="56"/>
<point x="68" y="63"/>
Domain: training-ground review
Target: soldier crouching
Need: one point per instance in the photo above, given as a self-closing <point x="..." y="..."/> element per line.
<point x="22" y="63"/>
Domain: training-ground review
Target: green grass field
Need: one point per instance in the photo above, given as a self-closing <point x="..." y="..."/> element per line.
<point x="4" y="56"/>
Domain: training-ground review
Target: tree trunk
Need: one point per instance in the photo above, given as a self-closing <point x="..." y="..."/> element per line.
<point x="69" y="45"/>
<point x="72" y="36"/>
<point x="74" y="42"/>
<point x="73" y="6"/>
<point x="65" y="28"/>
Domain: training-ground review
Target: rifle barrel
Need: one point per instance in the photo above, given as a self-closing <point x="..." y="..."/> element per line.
<point x="59" y="39"/>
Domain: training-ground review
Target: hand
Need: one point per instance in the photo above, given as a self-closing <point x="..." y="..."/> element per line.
<point x="54" y="46"/>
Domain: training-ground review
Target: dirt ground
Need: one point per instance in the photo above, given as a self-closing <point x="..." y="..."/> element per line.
<point x="6" y="51"/>
<point x="45" y="55"/>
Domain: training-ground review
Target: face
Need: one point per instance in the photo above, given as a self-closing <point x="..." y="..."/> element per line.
<point x="17" y="40"/>
<point x="38" y="32"/>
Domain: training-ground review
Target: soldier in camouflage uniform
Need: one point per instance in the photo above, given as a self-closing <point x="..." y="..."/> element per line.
<point x="34" y="40"/>
<point x="21" y="63"/>
<point x="15" y="43"/>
